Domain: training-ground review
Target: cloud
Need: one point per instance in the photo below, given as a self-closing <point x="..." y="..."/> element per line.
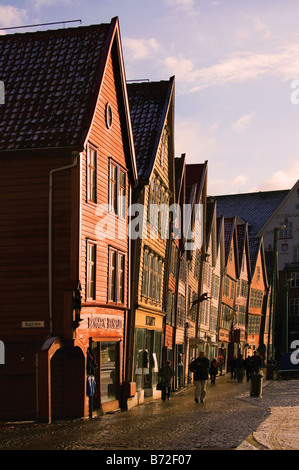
<point x="261" y="27"/>
<point x="240" y="181"/>
<point x="140" y="49"/>
<point x="38" y="4"/>
<point x="243" y="122"/>
<point x="237" y="68"/>
<point x="12" y="16"/>
<point x="186" y="6"/>
<point x="197" y="142"/>
<point x="281" y="179"/>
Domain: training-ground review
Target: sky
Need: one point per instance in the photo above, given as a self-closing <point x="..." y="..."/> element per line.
<point x="236" y="68"/>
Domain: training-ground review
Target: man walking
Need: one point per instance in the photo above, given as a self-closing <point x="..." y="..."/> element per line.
<point x="200" y="368"/>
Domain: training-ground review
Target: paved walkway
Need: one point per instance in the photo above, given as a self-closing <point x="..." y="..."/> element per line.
<point x="229" y="419"/>
<point x="280" y="431"/>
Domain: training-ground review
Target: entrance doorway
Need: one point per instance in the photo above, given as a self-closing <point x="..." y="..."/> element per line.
<point x="67" y="383"/>
<point x="107" y="357"/>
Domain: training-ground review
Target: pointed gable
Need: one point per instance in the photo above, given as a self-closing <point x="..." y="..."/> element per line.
<point x="50" y="79"/>
<point x="149" y="105"/>
<point x="52" y="85"/>
<point x="231" y="246"/>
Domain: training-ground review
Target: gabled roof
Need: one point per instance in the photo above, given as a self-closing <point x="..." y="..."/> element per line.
<point x="52" y="84"/>
<point x="254" y="208"/>
<point x="149" y="104"/>
<point x="295" y="189"/>
<point x="180" y="176"/>
<point x="196" y="173"/>
<point x="230" y="236"/>
<point x="243" y="244"/>
<point x="211" y="212"/>
<point x="256" y="246"/>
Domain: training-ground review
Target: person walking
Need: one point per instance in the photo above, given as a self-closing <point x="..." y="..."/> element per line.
<point x="200" y="368"/>
<point x="233" y="369"/>
<point x="248" y="367"/>
<point x="166" y="375"/>
<point x="213" y="371"/>
<point x="256" y="363"/>
<point x="240" y="366"/>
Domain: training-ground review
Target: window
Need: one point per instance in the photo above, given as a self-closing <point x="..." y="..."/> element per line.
<point x="226" y="287"/>
<point x="91" y="271"/>
<point x="256" y="298"/>
<point x="294" y="307"/>
<point x="215" y="286"/>
<point x="288" y="231"/>
<point x="254" y="322"/>
<point x="295" y="279"/>
<point x="116" y="280"/>
<point x="227" y="316"/>
<point x="117" y="190"/>
<point x="152" y="276"/>
<point x="258" y="274"/>
<point x="296" y="254"/>
<point x="91" y="174"/>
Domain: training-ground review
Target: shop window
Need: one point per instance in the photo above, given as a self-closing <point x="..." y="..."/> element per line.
<point x="106" y="356"/>
<point x="147" y="357"/>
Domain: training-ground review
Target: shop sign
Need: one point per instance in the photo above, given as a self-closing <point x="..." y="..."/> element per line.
<point x="106" y="322"/>
<point x="33" y="324"/>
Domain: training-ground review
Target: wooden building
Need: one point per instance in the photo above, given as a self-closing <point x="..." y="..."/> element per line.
<point x="66" y="154"/>
<point x="152" y="114"/>
<point x="239" y="336"/>
<point x="196" y="181"/>
<point x="229" y="288"/>
<point x="258" y="306"/>
<point x="213" y="274"/>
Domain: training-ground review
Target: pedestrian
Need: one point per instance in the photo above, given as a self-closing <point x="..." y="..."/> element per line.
<point x="256" y="363"/>
<point x="221" y="363"/>
<point x="240" y="366"/>
<point x="233" y="369"/>
<point x="213" y="371"/>
<point x="166" y="375"/>
<point x="248" y="367"/>
<point x="200" y="368"/>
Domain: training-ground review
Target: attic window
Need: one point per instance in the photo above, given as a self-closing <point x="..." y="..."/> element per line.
<point x="108" y="115"/>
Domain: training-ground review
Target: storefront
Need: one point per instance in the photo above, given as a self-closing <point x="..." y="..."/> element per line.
<point x="147" y="353"/>
<point x="103" y="337"/>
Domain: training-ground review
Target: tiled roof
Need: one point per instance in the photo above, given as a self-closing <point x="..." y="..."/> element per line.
<point x="254" y="208"/>
<point x="148" y="102"/>
<point x="254" y="246"/>
<point x="229" y="226"/>
<point x="50" y="80"/>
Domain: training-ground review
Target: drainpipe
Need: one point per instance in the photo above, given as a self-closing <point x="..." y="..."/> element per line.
<point x="50" y="238"/>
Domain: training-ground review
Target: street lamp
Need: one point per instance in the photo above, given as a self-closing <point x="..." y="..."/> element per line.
<point x="286" y="327"/>
<point x="273" y="285"/>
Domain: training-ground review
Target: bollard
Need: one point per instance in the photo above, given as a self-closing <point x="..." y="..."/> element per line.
<point x="256" y="385"/>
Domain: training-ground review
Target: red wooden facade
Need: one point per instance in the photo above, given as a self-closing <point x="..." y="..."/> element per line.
<point x="52" y="244"/>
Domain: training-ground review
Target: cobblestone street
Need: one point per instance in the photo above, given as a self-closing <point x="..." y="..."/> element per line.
<point x="228" y="419"/>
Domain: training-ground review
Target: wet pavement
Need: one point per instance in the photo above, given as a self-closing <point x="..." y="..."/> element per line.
<point x="229" y="419"/>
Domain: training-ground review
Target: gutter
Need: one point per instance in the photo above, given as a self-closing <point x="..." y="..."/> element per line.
<point x="50" y="239"/>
